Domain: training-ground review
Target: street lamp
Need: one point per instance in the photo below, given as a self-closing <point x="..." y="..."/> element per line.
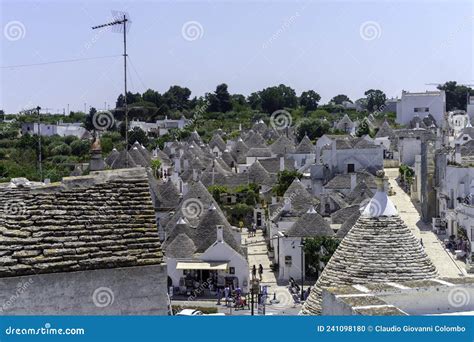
<point x="302" y="267"/>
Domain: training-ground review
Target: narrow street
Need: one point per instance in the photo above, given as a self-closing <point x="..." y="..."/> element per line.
<point x="258" y="254"/>
<point x="445" y="264"/>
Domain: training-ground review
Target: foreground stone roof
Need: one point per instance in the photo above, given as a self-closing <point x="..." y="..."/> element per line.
<point x="376" y="250"/>
<point x="104" y="220"/>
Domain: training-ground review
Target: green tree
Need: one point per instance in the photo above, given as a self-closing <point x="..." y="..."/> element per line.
<point x="309" y="100"/>
<point x="155" y="166"/>
<point x="284" y="180"/>
<point x="177" y="98"/>
<point x="339" y="99"/>
<point x="275" y="98"/>
<point x="61" y="149"/>
<point x="89" y="123"/>
<point x="220" y="100"/>
<point x="363" y="128"/>
<point x="313" y="128"/>
<point x="456" y="95"/>
<point x="318" y="249"/>
<point x="80" y="148"/>
<point x="375" y="99"/>
<point x="254" y="101"/>
<point x="137" y="134"/>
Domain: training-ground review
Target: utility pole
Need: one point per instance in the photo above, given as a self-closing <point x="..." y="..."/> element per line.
<point x="302" y="268"/>
<point x="40" y="161"/>
<point x="120" y="22"/>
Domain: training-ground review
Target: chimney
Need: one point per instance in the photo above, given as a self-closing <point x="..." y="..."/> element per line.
<point x="353" y="180"/>
<point x="457" y="154"/>
<point x="282" y="163"/>
<point x="220" y="233"/>
<point x="323" y="205"/>
<point x="184" y="188"/>
<point x="417" y="125"/>
<point x="318" y="156"/>
<point x="96" y="162"/>
<point x="333" y="154"/>
<point x="287" y="206"/>
<point x="195" y="175"/>
<point x="177" y="165"/>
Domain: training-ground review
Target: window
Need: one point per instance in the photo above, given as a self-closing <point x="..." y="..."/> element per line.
<point x="288" y="259"/>
<point x="350" y="168"/>
<point x="421" y="109"/>
<point x="231" y="270"/>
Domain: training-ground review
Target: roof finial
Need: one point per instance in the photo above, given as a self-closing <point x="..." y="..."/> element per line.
<point x="380" y="204"/>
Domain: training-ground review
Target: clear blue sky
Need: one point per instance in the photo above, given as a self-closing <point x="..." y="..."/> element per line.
<point x="248" y="45"/>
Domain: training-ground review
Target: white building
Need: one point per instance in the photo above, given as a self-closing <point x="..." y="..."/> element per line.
<point x="60" y="128"/>
<point x="421" y="104"/>
<point x="351" y="155"/>
<point x="290" y="254"/>
<point x="470" y="107"/>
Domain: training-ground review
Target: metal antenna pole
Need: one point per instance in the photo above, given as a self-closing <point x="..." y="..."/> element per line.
<point x="121" y="18"/>
<point x="40" y="159"/>
<point x="125" y="85"/>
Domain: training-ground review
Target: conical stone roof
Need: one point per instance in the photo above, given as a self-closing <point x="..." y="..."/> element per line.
<point x="379" y="248"/>
<point x="258" y="174"/>
<point x="282" y="146"/>
<point x="217" y="141"/>
<point x="239" y="151"/>
<point x="206" y="231"/>
<point x="305" y="146"/>
<point x="182" y="246"/>
<point x="112" y="156"/>
<point x="310" y="224"/>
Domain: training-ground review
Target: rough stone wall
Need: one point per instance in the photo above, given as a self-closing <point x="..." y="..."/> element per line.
<point x="140" y="290"/>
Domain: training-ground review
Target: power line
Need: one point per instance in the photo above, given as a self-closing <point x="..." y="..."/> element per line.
<point x="136" y="72"/>
<point x="57" y="62"/>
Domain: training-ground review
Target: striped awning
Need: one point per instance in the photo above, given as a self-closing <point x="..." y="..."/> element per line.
<point x="201" y="265"/>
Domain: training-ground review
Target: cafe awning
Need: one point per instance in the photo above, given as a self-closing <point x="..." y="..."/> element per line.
<point x="201" y="265"/>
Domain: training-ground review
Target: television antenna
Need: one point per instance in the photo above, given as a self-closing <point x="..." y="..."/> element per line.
<point x="121" y="24"/>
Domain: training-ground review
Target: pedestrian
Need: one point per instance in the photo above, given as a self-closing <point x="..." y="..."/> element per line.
<point x="254" y="272"/>
<point x="226" y="294"/>
<point x="260" y="271"/>
<point x="219" y="296"/>
<point x="307" y="292"/>
<point x="421" y="241"/>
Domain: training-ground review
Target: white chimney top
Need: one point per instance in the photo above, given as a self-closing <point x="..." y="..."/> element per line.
<point x="380" y="204"/>
<point x="220" y="233"/>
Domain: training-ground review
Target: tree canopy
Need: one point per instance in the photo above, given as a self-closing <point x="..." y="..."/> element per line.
<point x="375" y="99"/>
<point x="456" y="95"/>
<point x="340" y="99"/>
<point x="309" y="100"/>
